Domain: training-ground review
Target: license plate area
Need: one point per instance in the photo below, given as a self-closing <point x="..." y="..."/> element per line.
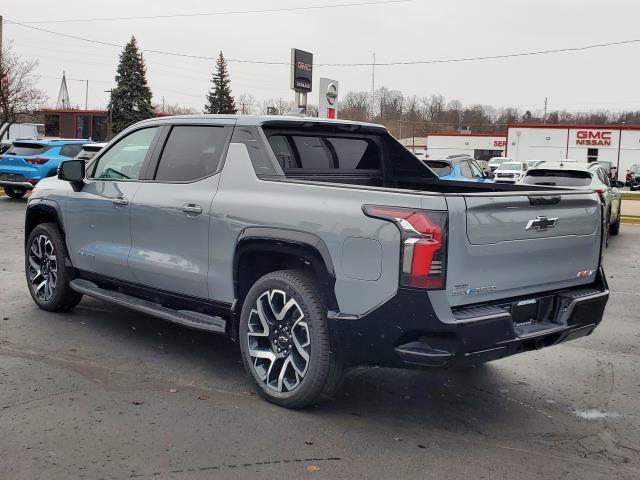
<point x="532" y="310"/>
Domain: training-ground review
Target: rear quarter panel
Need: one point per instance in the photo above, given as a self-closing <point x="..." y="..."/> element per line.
<point x="332" y="213"/>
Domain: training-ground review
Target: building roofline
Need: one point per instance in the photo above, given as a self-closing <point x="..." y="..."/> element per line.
<point x="571" y="126"/>
<point x="455" y="134"/>
<point x="71" y="110"/>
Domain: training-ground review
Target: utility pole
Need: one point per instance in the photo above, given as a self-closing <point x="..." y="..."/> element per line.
<point x="163" y="104"/>
<point x="110" y="129"/>
<point x="86" y="95"/>
<point x="373" y="83"/>
<point x="544" y="118"/>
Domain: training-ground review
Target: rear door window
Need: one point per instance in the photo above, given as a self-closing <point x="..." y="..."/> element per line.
<point x="70" y="150"/>
<point x="27" y="149"/>
<point x="559" y="178"/>
<point x="191" y="152"/>
<point x="465" y="170"/>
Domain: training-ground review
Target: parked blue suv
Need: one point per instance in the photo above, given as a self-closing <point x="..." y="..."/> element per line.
<point x="461" y="169"/>
<point x="29" y="161"/>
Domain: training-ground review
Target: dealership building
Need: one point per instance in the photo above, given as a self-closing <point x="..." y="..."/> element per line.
<point x="481" y="146"/>
<point x="619" y="144"/>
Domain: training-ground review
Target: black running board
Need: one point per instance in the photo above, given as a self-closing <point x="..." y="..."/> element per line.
<point x="190" y="319"/>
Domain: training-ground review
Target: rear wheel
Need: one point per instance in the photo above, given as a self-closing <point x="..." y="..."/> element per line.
<point x="614" y="228"/>
<point x="284" y="340"/>
<point x="47" y="277"/>
<point x="14" y="192"/>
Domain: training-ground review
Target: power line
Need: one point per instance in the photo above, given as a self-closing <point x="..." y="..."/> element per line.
<point x="487" y="57"/>
<point x="360" y="64"/>
<point x="233" y="12"/>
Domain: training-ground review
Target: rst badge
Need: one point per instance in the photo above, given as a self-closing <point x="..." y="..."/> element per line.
<point x="584" y="274"/>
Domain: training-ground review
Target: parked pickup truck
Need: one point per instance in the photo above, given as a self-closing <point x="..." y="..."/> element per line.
<point x="317" y="245"/>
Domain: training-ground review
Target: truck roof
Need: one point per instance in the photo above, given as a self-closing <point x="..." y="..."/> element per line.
<point x="255" y="120"/>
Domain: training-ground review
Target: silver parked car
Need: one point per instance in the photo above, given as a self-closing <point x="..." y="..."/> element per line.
<point x="583" y="176"/>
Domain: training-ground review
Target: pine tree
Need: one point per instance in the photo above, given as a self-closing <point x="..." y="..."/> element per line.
<point x="131" y="99"/>
<point x="219" y="98"/>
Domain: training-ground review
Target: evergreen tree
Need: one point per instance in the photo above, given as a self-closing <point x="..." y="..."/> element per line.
<point x="219" y="98"/>
<point x="131" y="99"/>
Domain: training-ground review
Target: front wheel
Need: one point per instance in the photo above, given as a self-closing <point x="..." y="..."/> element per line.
<point x="47" y="277"/>
<point x="15" y="192"/>
<point x="284" y="340"/>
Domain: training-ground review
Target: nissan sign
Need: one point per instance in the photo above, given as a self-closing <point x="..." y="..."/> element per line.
<point x="328" y="98"/>
<point x="301" y="70"/>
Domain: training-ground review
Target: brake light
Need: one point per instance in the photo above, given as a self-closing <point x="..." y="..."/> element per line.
<point x="424" y="255"/>
<point x="36" y="160"/>
<point x="601" y="191"/>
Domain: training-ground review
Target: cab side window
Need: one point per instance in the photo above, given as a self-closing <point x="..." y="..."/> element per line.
<point x="125" y="159"/>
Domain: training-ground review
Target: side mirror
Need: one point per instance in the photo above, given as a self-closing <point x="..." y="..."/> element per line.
<point x="72" y="171"/>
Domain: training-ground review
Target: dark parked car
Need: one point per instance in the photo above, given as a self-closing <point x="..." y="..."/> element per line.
<point x="89" y="150"/>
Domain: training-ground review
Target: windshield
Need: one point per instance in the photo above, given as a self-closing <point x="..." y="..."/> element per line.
<point x="560" y="178"/>
<point x="510" y="166"/>
<point x="440" y="168"/>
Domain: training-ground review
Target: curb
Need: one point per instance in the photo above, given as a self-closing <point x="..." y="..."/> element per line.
<point x="630" y="219"/>
<point x="630" y="196"/>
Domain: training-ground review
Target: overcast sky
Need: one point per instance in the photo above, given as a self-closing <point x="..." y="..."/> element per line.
<point x="415" y="30"/>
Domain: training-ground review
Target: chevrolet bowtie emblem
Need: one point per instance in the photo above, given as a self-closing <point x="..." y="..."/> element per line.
<point x="541" y="223"/>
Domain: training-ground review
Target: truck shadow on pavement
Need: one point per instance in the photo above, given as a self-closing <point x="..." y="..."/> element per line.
<point x="141" y="351"/>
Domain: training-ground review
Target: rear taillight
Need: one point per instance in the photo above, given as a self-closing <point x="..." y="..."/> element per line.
<point x="36" y="160"/>
<point x="424" y="248"/>
<point x="601" y="191"/>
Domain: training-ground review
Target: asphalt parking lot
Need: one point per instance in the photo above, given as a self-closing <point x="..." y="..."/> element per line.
<point x="106" y="393"/>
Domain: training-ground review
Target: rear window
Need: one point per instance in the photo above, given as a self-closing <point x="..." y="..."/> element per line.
<point x="510" y="166"/>
<point x="27" y="149"/>
<point x="324" y="152"/>
<point x="441" y="168"/>
<point x="560" y="178"/>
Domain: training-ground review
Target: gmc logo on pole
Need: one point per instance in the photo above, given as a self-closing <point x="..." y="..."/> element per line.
<point x="589" y="137"/>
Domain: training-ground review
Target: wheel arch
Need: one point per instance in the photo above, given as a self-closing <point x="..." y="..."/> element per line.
<point x="270" y="249"/>
<point x="42" y="212"/>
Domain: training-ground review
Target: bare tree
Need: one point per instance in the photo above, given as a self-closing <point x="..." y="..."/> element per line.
<point x="355" y="106"/>
<point x="175" y="109"/>
<point x="18" y="93"/>
<point x="247" y="104"/>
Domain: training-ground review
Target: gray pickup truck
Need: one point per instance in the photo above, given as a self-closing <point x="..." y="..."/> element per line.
<point x="317" y="245"/>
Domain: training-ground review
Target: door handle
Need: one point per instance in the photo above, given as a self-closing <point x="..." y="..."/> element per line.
<point x="120" y="201"/>
<point x="192" y="208"/>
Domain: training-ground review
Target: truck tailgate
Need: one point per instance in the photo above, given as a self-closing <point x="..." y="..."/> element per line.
<point x="521" y="243"/>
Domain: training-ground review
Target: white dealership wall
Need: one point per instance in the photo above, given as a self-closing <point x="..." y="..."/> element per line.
<point x="441" y="145"/>
<point x="617" y="144"/>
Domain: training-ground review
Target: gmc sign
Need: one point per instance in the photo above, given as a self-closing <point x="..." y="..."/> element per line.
<point x="589" y="137"/>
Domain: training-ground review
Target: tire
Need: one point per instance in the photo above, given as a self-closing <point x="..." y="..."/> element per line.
<point x="614" y="228"/>
<point x="47" y="278"/>
<point x="283" y="317"/>
<point x="14" y="192"/>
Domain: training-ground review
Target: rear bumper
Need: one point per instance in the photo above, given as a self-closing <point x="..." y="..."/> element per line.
<point x="26" y="185"/>
<point x="405" y="332"/>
